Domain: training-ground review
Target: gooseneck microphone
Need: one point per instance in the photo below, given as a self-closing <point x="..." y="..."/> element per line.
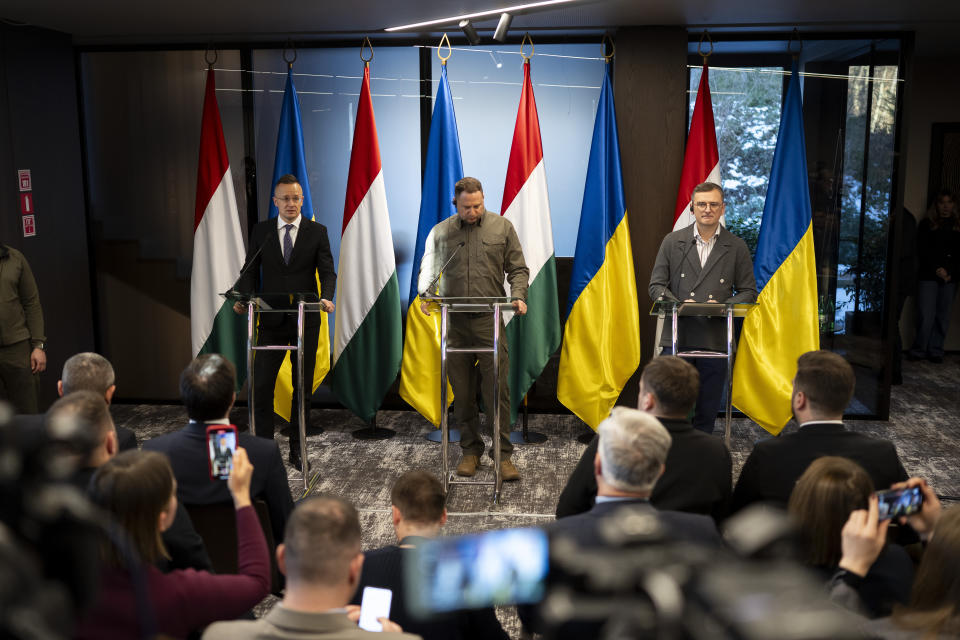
<point x="428" y="292"/>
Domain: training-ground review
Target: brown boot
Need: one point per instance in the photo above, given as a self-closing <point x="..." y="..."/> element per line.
<point x="468" y="465"/>
<point x="509" y="471"/>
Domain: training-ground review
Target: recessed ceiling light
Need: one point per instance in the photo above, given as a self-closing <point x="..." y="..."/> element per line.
<point x="480" y="14"/>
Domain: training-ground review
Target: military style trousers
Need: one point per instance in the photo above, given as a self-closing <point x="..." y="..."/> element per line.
<point x="469" y="371"/>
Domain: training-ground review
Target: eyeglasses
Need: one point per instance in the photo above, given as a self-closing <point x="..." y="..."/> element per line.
<point x="703" y="206"/>
<point x="286" y="199"/>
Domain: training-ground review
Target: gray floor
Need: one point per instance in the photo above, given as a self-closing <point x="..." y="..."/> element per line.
<point x="923" y="424"/>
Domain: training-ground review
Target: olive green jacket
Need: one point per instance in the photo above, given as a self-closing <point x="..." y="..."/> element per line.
<point x="491" y="249"/>
<point x="21" y="317"/>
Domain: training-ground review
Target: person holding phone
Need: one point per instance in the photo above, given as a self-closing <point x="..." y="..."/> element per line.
<point x="933" y="611"/>
<point x="137" y="488"/>
<point x="825" y="495"/>
<point x="321" y="559"/>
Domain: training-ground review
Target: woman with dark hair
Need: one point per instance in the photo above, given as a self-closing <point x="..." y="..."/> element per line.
<point x="138" y="489"/>
<point x="934" y="608"/>
<point x="821" y="502"/>
<point x="938" y="248"/>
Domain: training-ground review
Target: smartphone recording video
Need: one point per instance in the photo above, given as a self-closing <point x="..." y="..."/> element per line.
<point x="221" y="445"/>
<point x="899" y="502"/>
<point x="508" y="566"/>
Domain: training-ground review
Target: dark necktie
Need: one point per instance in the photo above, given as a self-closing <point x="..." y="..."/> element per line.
<point x="287" y="244"/>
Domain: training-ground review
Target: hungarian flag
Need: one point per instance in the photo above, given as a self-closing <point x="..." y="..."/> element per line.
<point x="367" y="340"/>
<point x="217" y="246"/>
<point x="701" y="161"/>
<point x="533" y="338"/>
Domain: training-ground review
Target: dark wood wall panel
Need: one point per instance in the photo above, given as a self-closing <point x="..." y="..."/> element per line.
<point x="650" y="89"/>
<point x="40" y="131"/>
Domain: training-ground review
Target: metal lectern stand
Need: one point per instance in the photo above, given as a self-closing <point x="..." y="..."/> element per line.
<point x="494" y="306"/>
<point x="706" y="310"/>
<point x="308" y="302"/>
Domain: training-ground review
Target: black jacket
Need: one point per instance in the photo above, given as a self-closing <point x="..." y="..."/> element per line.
<point x="697" y="478"/>
<point x="775" y="465"/>
<point x="187" y="450"/>
<point x="264" y="271"/>
<point x="384" y="568"/>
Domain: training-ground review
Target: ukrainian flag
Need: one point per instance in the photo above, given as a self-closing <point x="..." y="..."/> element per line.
<point x="785" y="324"/>
<point x="420" y="368"/>
<point x="601" y="341"/>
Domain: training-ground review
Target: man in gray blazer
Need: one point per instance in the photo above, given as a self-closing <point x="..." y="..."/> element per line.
<point x="321" y="558"/>
<point x="703" y="263"/>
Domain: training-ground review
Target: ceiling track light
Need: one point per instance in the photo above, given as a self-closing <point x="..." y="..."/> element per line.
<point x="500" y="35"/>
<point x="472" y="36"/>
<point x="527" y="7"/>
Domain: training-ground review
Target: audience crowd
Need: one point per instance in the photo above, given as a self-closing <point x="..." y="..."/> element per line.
<point x="900" y="576"/>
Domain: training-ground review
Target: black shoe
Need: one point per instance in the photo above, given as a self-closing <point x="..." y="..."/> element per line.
<point x="936" y="359"/>
<point x="294" y="458"/>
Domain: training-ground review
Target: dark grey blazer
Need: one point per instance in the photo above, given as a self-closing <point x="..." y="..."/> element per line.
<point x="726" y="277"/>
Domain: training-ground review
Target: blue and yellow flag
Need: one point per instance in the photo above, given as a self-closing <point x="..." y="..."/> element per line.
<point x="420" y="369"/>
<point x="601" y="340"/>
<point x="290" y="159"/>
<point x="785" y="323"/>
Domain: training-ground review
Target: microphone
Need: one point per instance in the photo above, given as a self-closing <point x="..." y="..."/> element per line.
<point x="446" y="264"/>
<point x="246" y="268"/>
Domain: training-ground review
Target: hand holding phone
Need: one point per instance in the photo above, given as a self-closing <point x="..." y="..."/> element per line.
<point x="239" y="480"/>
<point x="375" y="604"/>
<point x="221" y="446"/>
<point x="897" y="503"/>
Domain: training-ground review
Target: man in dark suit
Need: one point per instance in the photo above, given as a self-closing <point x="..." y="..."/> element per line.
<point x="697" y="478"/>
<point x="822" y="390"/>
<point x="207" y="389"/>
<point x="88" y="371"/>
<point x="703" y="263"/>
<point x="286" y="255"/>
<point x="419" y="513"/>
<point x="85" y="415"/>
<point x="630" y="458"/>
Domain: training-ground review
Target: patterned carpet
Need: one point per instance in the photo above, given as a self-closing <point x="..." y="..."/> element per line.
<point x="923" y="424"/>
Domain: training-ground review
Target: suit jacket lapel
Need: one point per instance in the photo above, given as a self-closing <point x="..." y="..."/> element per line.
<point x="691" y="259"/>
<point x="303" y="235"/>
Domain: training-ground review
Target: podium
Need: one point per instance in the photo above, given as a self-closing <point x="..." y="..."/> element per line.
<point x="676" y="309"/>
<point x="300" y="303"/>
<point x="494" y="306"/>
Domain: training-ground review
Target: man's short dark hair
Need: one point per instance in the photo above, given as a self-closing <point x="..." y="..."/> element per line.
<point x="706" y="187"/>
<point x="87" y="371"/>
<point x="419" y="497"/>
<point x="827" y="380"/>
<point x="288" y="178"/>
<point x="466" y="185"/>
<point x="321" y="538"/>
<point x="89" y="411"/>
<point x="674" y="382"/>
<point x="207" y="386"/>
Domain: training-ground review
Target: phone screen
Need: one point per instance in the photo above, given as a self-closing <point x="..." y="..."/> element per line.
<point x="221" y="445"/>
<point x="374" y="604"/>
<point x="507" y="566"/>
<point x="899" y="502"/>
